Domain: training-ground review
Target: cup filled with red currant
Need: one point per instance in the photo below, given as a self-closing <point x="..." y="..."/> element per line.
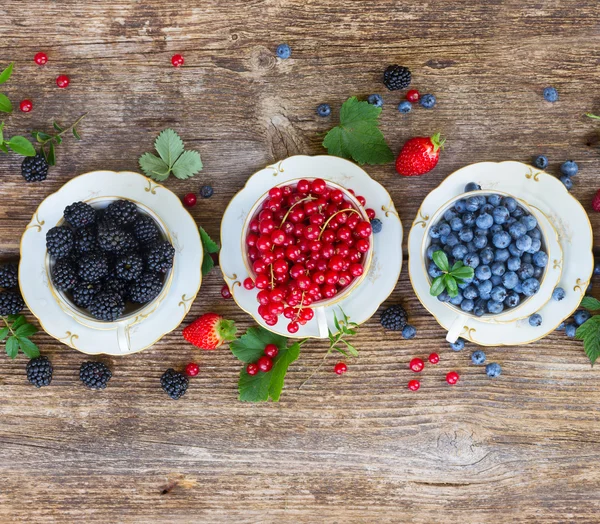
<point x="307" y="244"/>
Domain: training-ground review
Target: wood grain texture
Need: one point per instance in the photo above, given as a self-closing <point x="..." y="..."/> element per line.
<point x="358" y="448"/>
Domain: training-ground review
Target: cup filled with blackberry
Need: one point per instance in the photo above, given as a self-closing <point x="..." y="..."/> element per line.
<point x="108" y="259"/>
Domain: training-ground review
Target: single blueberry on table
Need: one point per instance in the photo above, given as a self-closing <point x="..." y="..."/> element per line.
<point x="501" y="240"/>
<point x="581" y="316"/>
<point x="494" y="200"/>
<point x="459" y="345"/>
<point x="509" y="203"/>
<point x="567" y="182"/>
<point x="540" y="259"/>
<point x="495" y="307"/>
<point x="512" y="299"/>
<point x="513" y="263"/>
<point x="376" y="226"/>
<point x="409" y="332"/>
<point x="465" y="234"/>
<point x="535" y="320"/>
<point x="530" y="286"/>
<point x="472" y="186"/>
<point x="498" y="294"/>
<point x="501" y="255"/>
<point x="323" y="110"/>
<point x="493" y="370"/>
<point x="525" y="271"/>
<point x="558" y="294"/>
<point x="569" y="168"/>
<point x="485" y="288"/>
<point x="541" y="162"/>
<point x="478" y="357"/>
<point x="570" y="330"/>
<point x="510" y="279"/>
<point x="405" y="107"/>
<point x="467" y="305"/>
<point x="456" y="224"/>
<point x="427" y="101"/>
<point x="375" y="100"/>
<point x="550" y="94"/>
<point x="284" y="51"/>
<point x="483" y="273"/>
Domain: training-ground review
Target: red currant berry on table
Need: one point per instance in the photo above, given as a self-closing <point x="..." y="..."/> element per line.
<point x="434" y="358"/>
<point x="40" y="58"/>
<point x="340" y="368"/>
<point x="252" y="369"/>
<point x="416" y="365"/>
<point x="271" y="350"/>
<point x="62" y="81"/>
<point x="192" y="369"/>
<point x="264" y="363"/>
<point x="189" y="200"/>
<point x="413" y="95"/>
<point x="177" y="60"/>
<point x="225" y="292"/>
<point x="452" y="377"/>
<point x="26" y="106"/>
<point x="249" y="283"/>
<point x="414" y="385"/>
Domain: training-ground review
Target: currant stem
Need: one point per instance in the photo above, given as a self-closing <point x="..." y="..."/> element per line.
<point x="9" y="326"/>
<point x="318" y="368"/>
<point x="74" y="124"/>
<point x="305" y="199"/>
<point x="336" y="213"/>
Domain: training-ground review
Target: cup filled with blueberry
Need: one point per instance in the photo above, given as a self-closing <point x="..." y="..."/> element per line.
<point x="486" y="255"/>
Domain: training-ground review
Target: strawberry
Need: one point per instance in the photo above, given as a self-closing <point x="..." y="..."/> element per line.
<point x="419" y="155"/>
<point x="596" y="201"/>
<point x="209" y="331"/>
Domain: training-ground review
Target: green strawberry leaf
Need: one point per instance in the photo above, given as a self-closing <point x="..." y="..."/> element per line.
<point x="12" y="347"/>
<point x="154" y="167"/>
<point x="6" y="72"/>
<point x="169" y="146"/>
<point x="590" y="303"/>
<point x="208" y="246"/>
<point x="21" y="146"/>
<point x="589" y="332"/>
<point x="187" y="165"/>
<point x="207" y="264"/>
<point x="358" y="136"/>
<point x="440" y="259"/>
<point x="251" y="345"/>
<point x="280" y="366"/>
<point x="5" y="104"/>
<point x="437" y="286"/>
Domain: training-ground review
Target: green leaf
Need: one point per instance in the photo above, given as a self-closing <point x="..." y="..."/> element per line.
<point x="6" y="72"/>
<point x="187" y="165"/>
<point x="251" y="345"/>
<point x="589" y="332"/>
<point x="3" y="333"/>
<point x="76" y="133"/>
<point x="207" y="264"/>
<point x="590" y="115"/>
<point x="26" y="330"/>
<point x="41" y="137"/>
<point x="22" y="146"/>
<point x="18" y="322"/>
<point x="451" y="285"/>
<point x="12" y="318"/>
<point x="590" y="303"/>
<point x="57" y="127"/>
<point x="51" y="157"/>
<point x="154" y="167"/>
<point x="463" y="272"/>
<point x="437" y="286"/>
<point x="254" y="388"/>
<point x="5" y="104"/>
<point x="1" y="132"/>
<point x="351" y="349"/>
<point x="358" y="135"/>
<point x="3" y="148"/>
<point x="58" y="140"/>
<point x="336" y="322"/>
<point x="208" y="244"/>
<point x="169" y="146"/>
<point x="28" y="347"/>
<point x="12" y="347"/>
<point x="280" y="367"/>
<point x="457" y="265"/>
<point x="440" y="259"/>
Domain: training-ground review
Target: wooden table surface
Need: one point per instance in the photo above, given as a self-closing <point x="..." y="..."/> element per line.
<point x="357" y="448"/>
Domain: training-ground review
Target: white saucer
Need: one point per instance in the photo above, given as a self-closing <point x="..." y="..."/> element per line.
<point x="563" y="211"/>
<point x="385" y="268"/>
<point x="149" y="324"/>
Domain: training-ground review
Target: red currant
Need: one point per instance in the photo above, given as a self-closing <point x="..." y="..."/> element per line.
<point x="252" y="369"/>
<point x="414" y="385"/>
<point x="328" y="290"/>
<point x="26" y="106"/>
<point x="40" y="58"/>
<point x="249" y="283"/>
<point x="363" y="229"/>
<point x="362" y="200"/>
<point x="192" y="369"/>
<point x="318" y="186"/>
<point x="276" y="295"/>
<point x="413" y="95"/>
<point x="452" y="377"/>
<point x="189" y="200"/>
<point x="370" y="213"/>
<point x="275" y="192"/>
<point x="307" y="314"/>
<point x="416" y="365"/>
<point x="263" y="311"/>
<point x="293" y="327"/>
<point x="253" y="226"/>
<point x="317" y="219"/>
<point x="340" y="368"/>
<point x="271" y="350"/>
<point x="303" y="186"/>
<point x="262" y="281"/>
<point x="277" y="237"/>
<point x="336" y="196"/>
<point x="354" y="255"/>
<point x="265" y="214"/>
<point x="289" y="312"/>
<point x="356" y="270"/>
<point x="263" y="297"/>
<point x="344" y="279"/>
<point x="280" y="267"/>
<point x="177" y="60"/>
<point x="62" y="81"/>
<point x="259" y="266"/>
<point x="271" y="320"/>
<point x="336" y="263"/>
<point x="264" y="243"/>
<point x="332" y="277"/>
<point x="225" y="292"/>
<point x="434" y="358"/>
<point x="362" y="245"/>
<point x="343" y="233"/>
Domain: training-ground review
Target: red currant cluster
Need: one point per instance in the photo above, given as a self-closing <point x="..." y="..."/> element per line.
<point x="264" y="363"/>
<point x="417" y="365"/>
<point x="307" y="243"/>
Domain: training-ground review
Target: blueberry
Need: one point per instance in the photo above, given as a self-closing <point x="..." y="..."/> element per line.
<point x="431" y="250"/>
<point x="465" y="234"/>
<point x="434" y="231"/>
<point x="452" y="239"/>
<point x="526" y="258"/>
<point x="495" y="307"/>
<point x="480" y="241"/>
<point x="494" y="200"/>
<point x="540" y="259"/>
<point x="535" y="320"/>
<point x="518" y="213"/>
<point x="501" y="255"/>
<point x="471" y="260"/>
<point x="558" y="294"/>
<point x="597" y="269"/>
<point x="376" y="225"/>
<point x="570" y="330"/>
<point x="483" y="232"/>
<point x="484" y="221"/>
<point x="471" y="247"/>
<point x="467" y="305"/>
<point x="569" y="168"/>
<point x="482" y="200"/>
<point x="206" y="191"/>
<point x="375" y="100"/>
<point x="498" y="268"/>
<point x="496" y="228"/>
<point x="550" y="94"/>
<point x="483" y="273"/>
<point x="460" y="206"/>
<point x="456" y="224"/>
<point x="567" y="182"/>
<point x="530" y="287"/>
<point x="524" y="243"/>
<point x="284" y="51"/>
<point x="535" y="233"/>
<point x="498" y="294"/>
<point x="434" y="271"/>
<point x="427" y="101"/>
<point x="459" y="251"/>
<point x="518" y="288"/>
<point x="513" y="263"/>
<point x="581" y="316"/>
<point x="500" y="214"/>
<point x="478" y="357"/>
<point x="323" y="110"/>
<point x="444" y="229"/>
<point x="525" y="271"/>
<point x="472" y="204"/>
<point x="486" y="255"/>
<point x="514" y="250"/>
<point x="444" y="296"/>
<point x="509" y="203"/>
<point x="541" y="162"/>
<point x="448" y="251"/>
<point x="538" y="272"/>
<point x="409" y="332"/>
<point x="485" y="289"/>
<point x="405" y="106"/>
<point x="479" y="309"/>
<point x="529" y="222"/>
<point x="486" y="208"/>
<point x="510" y="279"/>
<point x="459" y="345"/>
<point x="457" y="300"/>
<point x="512" y="299"/>
<point x="536" y="245"/>
<point x="496" y="280"/>
<point x="588" y="290"/>
<point x="501" y="240"/>
<point x="470" y="292"/>
<point x="462" y="285"/>
<point x="469" y="218"/>
<point x="517" y="230"/>
<point x="472" y="186"/>
<point x="493" y="370"/>
<point x="561" y="326"/>
<point x="510" y="220"/>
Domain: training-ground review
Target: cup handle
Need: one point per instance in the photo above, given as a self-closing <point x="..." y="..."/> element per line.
<point x="123" y="337"/>
<point x="456" y="328"/>
<point x="322" y="322"/>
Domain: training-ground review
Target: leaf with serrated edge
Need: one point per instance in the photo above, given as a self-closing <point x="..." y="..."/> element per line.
<point x="591" y="303"/>
<point x="251" y="345"/>
<point x="279" y="370"/>
<point x="440" y="259"/>
<point x="208" y="244"/>
<point x="18" y="322"/>
<point x="3" y="333"/>
<point x="6" y="72"/>
<point x="154" y="167"/>
<point x="169" y="146"/>
<point x="12" y="347"/>
<point x="28" y="347"/>
<point x="589" y="332"/>
<point x="187" y="165"/>
<point x="437" y="286"/>
<point x="25" y="330"/>
<point x="22" y="146"/>
<point x="5" y="104"/>
<point x="207" y="264"/>
<point x="254" y="388"/>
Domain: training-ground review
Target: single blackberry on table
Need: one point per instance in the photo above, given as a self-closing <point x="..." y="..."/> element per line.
<point x="39" y="371"/>
<point x="9" y="275"/>
<point x="396" y="77"/>
<point x="84" y="292"/>
<point x="93" y="267"/>
<point x="145" y="230"/>
<point x="122" y="212"/>
<point x="107" y="306"/>
<point x="145" y="288"/>
<point x="34" y="168"/>
<point x="59" y="241"/>
<point x="95" y="375"/>
<point x="394" y="318"/>
<point x="175" y="384"/>
<point x="80" y="214"/>
<point x="11" y="303"/>
<point x="64" y="274"/>
<point x="129" y="267"/>
<point x="85" y="240"/>
<point x="115" y="285"/>
<point x="159" y="257"/>
<point x="115" y="240"/>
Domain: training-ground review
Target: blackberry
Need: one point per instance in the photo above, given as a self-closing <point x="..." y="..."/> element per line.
<point x="129" y="267"/>
<point x="39" y="371"/>
<point x="146" y="288"/>
<point x="115" y="285"/>
<point x="84" y="292"/>
<point x="11" y="303"/>
<point x="59" y="241"/>
<point x="34" y="168"/>
<point x="175" y="384"/>
<point x="95" y="375"/>
<point x="64" y="274"/>
<point x="80" y="214"/>
<point x="107" y="306"/>
<point x="85" y="240"/>
<point x="159" y="257"/>
<point x="9" y="275"/>
<point x="394" y="318"/>
<point x="145" y="230"/>
<point x="93" y="267"/>
<point x="396" y="77"/>
<point x="122" y="212"/>
<point x="115" y="240"/>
